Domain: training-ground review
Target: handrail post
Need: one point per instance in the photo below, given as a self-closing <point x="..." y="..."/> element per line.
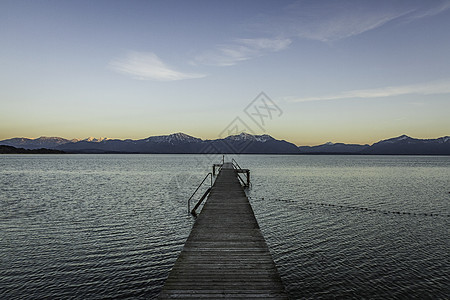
<point x="218" y="166"/>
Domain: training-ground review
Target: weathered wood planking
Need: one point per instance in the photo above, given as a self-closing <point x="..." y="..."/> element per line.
<point x="225" y="256"/>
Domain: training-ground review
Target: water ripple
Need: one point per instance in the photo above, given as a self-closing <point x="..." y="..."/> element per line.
<point x="112" y="226"/>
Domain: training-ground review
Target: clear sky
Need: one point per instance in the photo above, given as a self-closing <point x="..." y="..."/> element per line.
<point x="341" y="71"/>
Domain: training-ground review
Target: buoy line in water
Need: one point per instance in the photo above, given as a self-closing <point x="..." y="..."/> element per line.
<point x="362" y="209"/>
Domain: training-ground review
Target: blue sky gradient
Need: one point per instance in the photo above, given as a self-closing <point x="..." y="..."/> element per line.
<point x="341" y="71"/>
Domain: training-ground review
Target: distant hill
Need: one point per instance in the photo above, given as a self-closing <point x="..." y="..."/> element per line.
<point x="183" y="143"/>
<point x="242" y="143"/>
<point x="38" y="143"/>
<point x="256" y="144"/>
<point x="407" y="145"/>
<point x="333" y="148"/>
<point x="13" y="150"/>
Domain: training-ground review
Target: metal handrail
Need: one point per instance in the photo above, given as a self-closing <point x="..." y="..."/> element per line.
<point x="235" y="164"/>
<point x="242" y="180"/>
<point x="200" y="201"/>
<point x="189" y="201"/>
<point x="238" y="167"/>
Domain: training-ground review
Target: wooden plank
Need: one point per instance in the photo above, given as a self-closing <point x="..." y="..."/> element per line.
<point x="225" y="255"/>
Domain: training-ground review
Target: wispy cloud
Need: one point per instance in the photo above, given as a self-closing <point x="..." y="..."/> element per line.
<point x="241" y="50"/>
<point x="429" y="88"/>
<point x="429" y="9"/>
<point x="325" y="21"/>
<point x="335" y="20"/>
<point x="148" y="66"/>
<point x="331" y="20"/>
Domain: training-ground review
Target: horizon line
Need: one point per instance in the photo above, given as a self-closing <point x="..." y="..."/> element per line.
<point x="161" y="135"/>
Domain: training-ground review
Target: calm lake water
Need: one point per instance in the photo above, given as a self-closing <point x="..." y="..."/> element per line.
<point x="112" y="226"/>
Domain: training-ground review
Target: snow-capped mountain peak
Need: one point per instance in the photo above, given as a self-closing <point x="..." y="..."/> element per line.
<point x="241" y="136"/>
<point x="403" y="137"/>
<point x="263" y="138"/>
<point x="250" y="137"/>
<point x="179" y="136"/>
<point x="36" y="143"/>
<point x="173" y="138"/>
<point x="444" y="139"/>
<point x="95" y="140"/>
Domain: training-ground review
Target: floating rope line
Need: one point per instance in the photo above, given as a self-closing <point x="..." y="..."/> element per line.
<point x="362" y="209"/>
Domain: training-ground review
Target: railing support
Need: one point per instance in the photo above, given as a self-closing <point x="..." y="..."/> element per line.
<point x="201" y="183"/>
<point x="240" y="170"/>
<point x="200" y="201"/>
<point x="214" y="168"/>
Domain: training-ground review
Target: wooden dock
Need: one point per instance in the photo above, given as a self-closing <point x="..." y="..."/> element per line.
<point x="225" y="256"/>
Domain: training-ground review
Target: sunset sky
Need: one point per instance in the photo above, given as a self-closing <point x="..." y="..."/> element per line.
<point x="341" y="71"/>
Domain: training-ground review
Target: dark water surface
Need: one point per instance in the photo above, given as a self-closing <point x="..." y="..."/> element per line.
<point x="111" y="226"/>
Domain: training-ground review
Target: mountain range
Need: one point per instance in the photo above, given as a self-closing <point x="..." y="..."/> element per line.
<point x="242" y="143"/>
